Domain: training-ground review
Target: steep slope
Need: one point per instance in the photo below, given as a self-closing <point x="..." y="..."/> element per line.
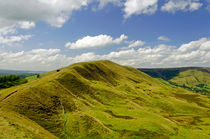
<point x="103" y="100"/>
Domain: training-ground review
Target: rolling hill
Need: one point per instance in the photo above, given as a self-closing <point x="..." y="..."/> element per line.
<point x="102" y="100"/>
<point x="194" y="78"/>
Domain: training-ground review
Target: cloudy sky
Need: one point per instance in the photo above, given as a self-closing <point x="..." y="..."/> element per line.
<point x="49" y="34"/>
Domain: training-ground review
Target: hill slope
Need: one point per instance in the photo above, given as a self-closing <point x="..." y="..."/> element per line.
<point x="102" y="100"/>
<point x="196" y="78"/>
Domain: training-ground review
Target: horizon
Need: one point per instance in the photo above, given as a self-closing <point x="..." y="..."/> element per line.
<point x="143" y="34"/>
<point x="11" y="70"/>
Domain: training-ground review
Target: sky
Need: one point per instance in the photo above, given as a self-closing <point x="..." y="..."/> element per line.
<point x="44" y="35"/>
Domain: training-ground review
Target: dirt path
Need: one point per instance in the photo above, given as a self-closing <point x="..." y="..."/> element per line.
<point x="9" y="95"/>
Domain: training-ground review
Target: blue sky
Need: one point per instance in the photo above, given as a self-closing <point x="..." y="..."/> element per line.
<point x="49" y="34"/>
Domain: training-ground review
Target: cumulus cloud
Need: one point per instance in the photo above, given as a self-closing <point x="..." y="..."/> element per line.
<point x="7" y="30"/>
<point x="95" y="42"/>
<point x="103" y="3"/>
<point x="136" y="7"/>
<point x="163" y="38"/>
<point x="53" y="12"/>
<point x="9" y="34"/>
<point x="134" y="44"/>
<point x="26" y="25"/>
<point x="195" y="53"/>
<point x="208" y="5"/>
<point x="37" y="59"/>
<point x="13" y="39"/>
<point x="57" y="12"/>
<point x="181" y="5"/>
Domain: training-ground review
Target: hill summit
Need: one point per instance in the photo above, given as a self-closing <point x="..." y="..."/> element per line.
<point x="101" y="100"/>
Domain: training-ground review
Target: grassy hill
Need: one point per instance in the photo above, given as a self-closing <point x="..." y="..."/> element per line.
<point x="102" y="100"/>
<point x="194" y="78"/>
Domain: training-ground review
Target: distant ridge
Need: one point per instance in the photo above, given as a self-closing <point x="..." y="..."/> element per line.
<point x="169" y="73"/>
<point x="196" y="79"/>
<point x="18" y="71"/>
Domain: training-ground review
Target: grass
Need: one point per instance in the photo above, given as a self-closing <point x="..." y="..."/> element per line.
<point x="193" y="78"/>
<point x="104" y="100"/>
<point x="31" y="78"/>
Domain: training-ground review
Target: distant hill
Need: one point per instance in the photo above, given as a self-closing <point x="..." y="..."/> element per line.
<point x="169" y="73"/>
<point x="196" y="78"/>
<point x="6" y="72"/>
<point x="102" y="100"/>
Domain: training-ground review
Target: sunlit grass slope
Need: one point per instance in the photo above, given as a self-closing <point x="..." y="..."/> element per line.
<point x="194" y="78"/>
<point x="102" y="100"/>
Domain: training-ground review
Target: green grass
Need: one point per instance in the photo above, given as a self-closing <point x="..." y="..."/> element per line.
<point x="103" y="100"/>
<point x="31" y="78"/>
<point x="191" y="78"/>
<point x="196" y="80"/>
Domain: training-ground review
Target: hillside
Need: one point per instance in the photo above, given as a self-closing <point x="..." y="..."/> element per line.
<point x="102" y="100"/>
<point x="195" y="78"/>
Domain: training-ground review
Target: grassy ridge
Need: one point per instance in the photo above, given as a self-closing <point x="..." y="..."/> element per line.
<point x="105" y="100"/>
<point x="193" y="78"/>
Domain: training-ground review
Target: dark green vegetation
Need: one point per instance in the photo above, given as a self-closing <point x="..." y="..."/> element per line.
<point x="11" y="80"/>
<point x="193" y="78"/>
<point x="102" y="100"/>
<point x="8" y="80"/>
<point x="29" y="75"/>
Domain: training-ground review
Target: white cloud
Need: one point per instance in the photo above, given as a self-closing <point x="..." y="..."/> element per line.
<point x="208" y="5"/>
<point x="194" y="45"/>
<point x="37" y="59"/>
<point x="57" y="12"/>
<point x="7" y="30"/>
<point x="9" y="34"/>
<point x="103" y="3"/>
<point x="95" y="42"/>
<point x="26" y="25"/>
<point x="53" y="12"/>
<point x="136" y="7"/>
<point x="13" y="39"/>
<point x="181" y="5"/>
<point x="195" y="53"/>
<point x="163" y="38"/>
<point x="134" y="44"/>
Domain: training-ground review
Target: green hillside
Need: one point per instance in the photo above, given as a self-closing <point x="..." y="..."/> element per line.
<point x="192" y="78"/>
<point x="102" y="100"/>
